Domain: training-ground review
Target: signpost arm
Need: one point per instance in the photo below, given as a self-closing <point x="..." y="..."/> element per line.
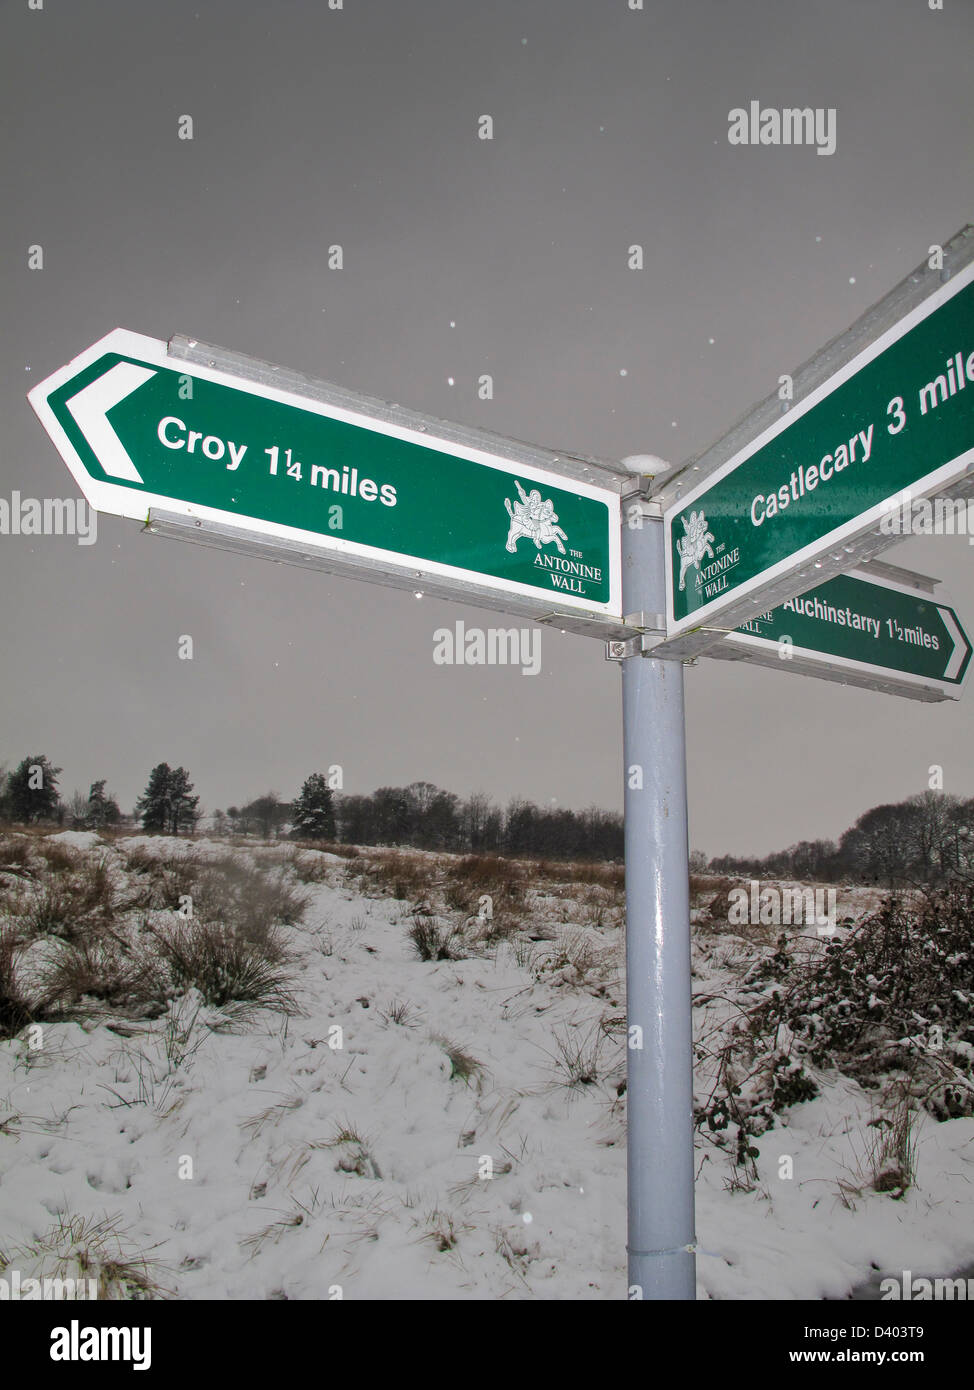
<point x="659" y="1090"/>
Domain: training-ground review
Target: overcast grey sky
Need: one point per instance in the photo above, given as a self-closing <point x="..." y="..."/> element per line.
<point x="358" y="126"/>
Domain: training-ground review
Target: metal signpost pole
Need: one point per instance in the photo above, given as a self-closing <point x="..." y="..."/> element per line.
<point x="659" y="1090"/>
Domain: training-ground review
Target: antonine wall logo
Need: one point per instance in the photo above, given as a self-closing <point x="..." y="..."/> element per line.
<point x="694" y="545"/>
<point x="533" y="518"/>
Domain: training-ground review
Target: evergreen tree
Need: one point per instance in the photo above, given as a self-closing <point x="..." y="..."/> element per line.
<point x="32" y="792"/>
<point x="153" y="807"/>
<point x="183" y="805"/>
<point x="167" y="802"/>
<point x="102" y="808"/>
<point x="313" y="815"/>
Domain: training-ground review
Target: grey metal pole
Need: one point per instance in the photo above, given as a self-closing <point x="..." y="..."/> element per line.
<point x="659" y="1089"/>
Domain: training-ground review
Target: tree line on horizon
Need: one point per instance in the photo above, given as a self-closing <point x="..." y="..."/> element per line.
<point x="925" y="839"/>
<point x="420" y="815"/>
<point x="928" y="838"/>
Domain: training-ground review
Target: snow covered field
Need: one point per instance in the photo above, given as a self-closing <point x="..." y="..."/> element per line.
<point x="434" y="1129"/>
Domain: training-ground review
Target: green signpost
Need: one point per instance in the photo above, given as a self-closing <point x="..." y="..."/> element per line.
<point x="752" y="547"/>
<point x="895" y="418"/>
<point x="375" y="492"/>
<point x="878" y="626"/>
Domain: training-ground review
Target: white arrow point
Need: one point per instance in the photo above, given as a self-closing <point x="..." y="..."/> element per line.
<point x="960" y="644"/>
<point x="90" y="409"/>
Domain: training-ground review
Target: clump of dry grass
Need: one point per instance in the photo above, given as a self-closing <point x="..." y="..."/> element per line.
<point x="893" y="1152"/>
<point x="13" y="853"/>
<point x="161" y="879"/>
<point x="581" y="871"/>
<point x="354" y="1152"/>
<point x="105" y="968"/>
<point x="431" y="941"/>
<point x="463" y="1065"/>
<point x="442" y="1230"/>
<point x="571" y="958"/>
<point x="67" y="903"/>
<point x="515" y="1249"/>
<point x="458" y="897"/>
<point x="311" y="867"/>
<point x="224" y="967"/>
<point x="59" y="858"/>
<point x="79" y="1247"/>
<point x="16" y="1010"/>
<point x="579" y="1056"/>
<point x="469" y="878"/>
<point x="400" y="1013"/>
<point x="250" y="899"/>
<point x="719" y="906"/>
<point x="50" y="912"/>
<point x="402" y="876"/>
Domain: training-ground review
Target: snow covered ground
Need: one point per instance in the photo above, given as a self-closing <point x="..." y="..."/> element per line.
<point x="431" y="1129"/>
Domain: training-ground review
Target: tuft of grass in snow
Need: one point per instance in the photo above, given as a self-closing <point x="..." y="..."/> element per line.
<point x="52" y="912"/>
<point x="272" y="1233"/>
<point x="401" y="875"/>
<point x="524" y="952"/>
<point x="311" y="868"/>
<point x="571" y="958"/>
<point x="16" y="1010"/>
<point x="274" y="1113"/>
<point x="431" y="941"/>
<point x="458" y="897"/>
<point x="514" y="1249"/>
<point x="463" y="1065"/>
<point x="224" y="967"/>
<point x="442" y="1233"/>
<point x="399" y="1013"/>
<point x="354" y="1151"/>
<point x="81" y="1247"/>
<point x="106" y="969"/>
<point x="58" y="857"/>
<point x="578" y="1057"/>
<point x="893" y="1149"/>
<point x="251" y="899"/>
<point x="13" y="853"/>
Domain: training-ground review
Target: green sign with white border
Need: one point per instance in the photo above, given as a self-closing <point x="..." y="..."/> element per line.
<point x="898" y="417"/>
<point x="143" y="432"/>
<point x="862" y="628"/>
